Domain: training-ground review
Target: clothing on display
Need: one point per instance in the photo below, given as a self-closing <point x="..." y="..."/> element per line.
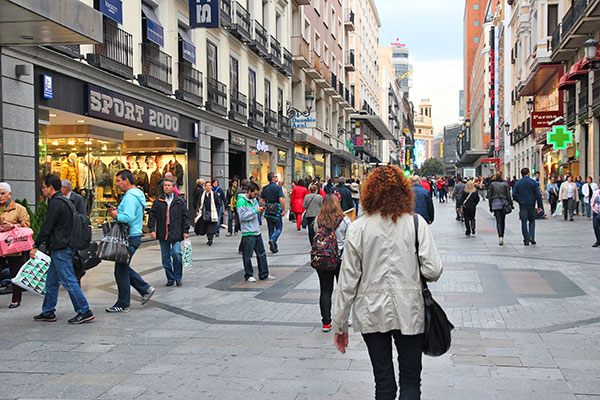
<point x="176" y="169"/>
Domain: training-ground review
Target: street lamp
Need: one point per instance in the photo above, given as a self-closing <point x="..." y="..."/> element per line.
<point x="506" y="127"/>
<point x="530" y="104"/>
<point x="590" y="47"/>
<point x="293" y="111"/>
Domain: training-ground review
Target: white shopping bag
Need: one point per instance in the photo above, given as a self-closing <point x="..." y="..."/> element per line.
<point x="32" y="275"/>
<point x="558" y="211"/>
<point x="186" y="250"/>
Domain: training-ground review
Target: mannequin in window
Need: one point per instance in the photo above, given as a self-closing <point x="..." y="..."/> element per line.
<point x="46" y="167"/>
<point x="176" y="169"/>
<point x="115" y="166"/>
<point x="141" y="177"/>
<point x="130" y="163"/>
<point x="69" y="169"/>
<point x="156" y="176"/>
<point x="87" y="180"/>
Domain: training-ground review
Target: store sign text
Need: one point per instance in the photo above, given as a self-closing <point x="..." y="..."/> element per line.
<point x="545" y="119"/>
<point x="204" y="13"/>
<point x="111" y="106"/>
<point x="262" y="146"/>
<point x="300" y="121"/>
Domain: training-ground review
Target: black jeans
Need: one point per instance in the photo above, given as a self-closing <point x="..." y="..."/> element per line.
<point x="469" y="215"/>
<point x="326" y="284"/>
<point x="409" y="349"/>
<point x="500" y="221"/>
<point x="254" y="244"/>
<point x="311" y="229"/>
<point x="553" y="202"/>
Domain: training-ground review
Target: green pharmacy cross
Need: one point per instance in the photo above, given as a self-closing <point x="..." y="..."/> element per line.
<point x="560" y="137"/>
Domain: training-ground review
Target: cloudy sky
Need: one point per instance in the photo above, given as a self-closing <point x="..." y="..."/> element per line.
<point x="432" y="31"/>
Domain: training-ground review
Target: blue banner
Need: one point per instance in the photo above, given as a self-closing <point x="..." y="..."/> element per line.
<point x="113" y="9"/>
<point x="154" y="30"/>
<point x="204" y="13"/>
<point x="187" y="46"/>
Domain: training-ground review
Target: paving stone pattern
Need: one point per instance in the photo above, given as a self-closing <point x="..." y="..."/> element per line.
<point x="527" y="326"/>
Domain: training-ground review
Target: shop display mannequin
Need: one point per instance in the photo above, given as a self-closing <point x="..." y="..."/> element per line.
<point x="115" y="166"/>
<point x="130" y="163"/>
<point x="69" y="169"/>
<point x="176" y="169"/>
<point x="88" y="180"/>
<point x="156" y="176"/>
<point x="141" y="177"/>
<point x="46" y="167"/>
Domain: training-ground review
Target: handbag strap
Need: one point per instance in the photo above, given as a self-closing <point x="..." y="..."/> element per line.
<point x="416" y="221"/>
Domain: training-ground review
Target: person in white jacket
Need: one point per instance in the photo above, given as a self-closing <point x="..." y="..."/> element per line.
<point x="381" y="280"/>
<point x="569" y="195"/>
<point x="588" y="188"/>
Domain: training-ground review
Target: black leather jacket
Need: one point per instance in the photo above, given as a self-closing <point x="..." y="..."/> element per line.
<point x="57" y="226"/>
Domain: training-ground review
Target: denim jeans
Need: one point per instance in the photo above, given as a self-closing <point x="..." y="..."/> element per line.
<point x="61" y="271"/>
<point x="254" y="244"/>
<point x="596" y="224"/>
<point x="527" y="216"/>
<point x="409" y="349"/>
<point x="126" y="276"/>
<point x="275" y="228"/>
<point x="233" y="223"/>
<point x="221" y="212"/>
<point x="469" y="215"/>
<point x="356" y="203"/>
<point x="171" y="251"/>
<point x="588" y="209"/>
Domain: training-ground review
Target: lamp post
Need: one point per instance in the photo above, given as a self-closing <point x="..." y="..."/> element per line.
<point x="530" y="105"/>
<point x="293" y="111"/>
<point x="590" y="48"/>
<point x="506" y="127"/>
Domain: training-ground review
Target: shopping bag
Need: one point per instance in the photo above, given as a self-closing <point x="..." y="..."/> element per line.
<point x="114" y="246"/>
<point x="558" y="211"/>
<point x="16" y="240"/>
<point x="32" y="275"/>
<point x="186" y="250"/>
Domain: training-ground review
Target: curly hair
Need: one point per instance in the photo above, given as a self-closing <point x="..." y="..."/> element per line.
<point x="387" y="191"/>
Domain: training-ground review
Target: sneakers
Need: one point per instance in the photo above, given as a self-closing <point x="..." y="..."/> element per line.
<point x="251" y="279"/>
<point x="46" y="317"/>
<point x="148" y="295"/>
<point x="228" y="234"/>
<point x="80" y="318"/>
<point x="268" y="278"/>
<point x="116" y="309"/>
<point x="326" y="328"/>
<point x="500" y="241"/>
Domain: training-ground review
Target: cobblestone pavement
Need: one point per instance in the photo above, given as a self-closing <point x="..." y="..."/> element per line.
<point x="527" y="319"/>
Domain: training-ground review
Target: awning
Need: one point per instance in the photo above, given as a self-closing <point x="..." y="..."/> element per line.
<point x="538" y="82"/>
<point x="470" y="157"/>
<point x="34" y="22"/>
<point x="154" y="30"/>
<point x="187" y="46"/>
<point x="578" y="69"/>
<point x="346" y="155"/>
<point x="304" y="138"/>
<point x="375" y="123"/>
<point x="564" y="83"/>
<point x="113" y="9"/>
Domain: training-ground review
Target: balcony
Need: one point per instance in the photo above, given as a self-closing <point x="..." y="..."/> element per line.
<point x="238" y="106"/>
<point x="330" y="88"/>
<point x="286" y="67"/>
<point x="285" y="128"/>
<point x="578" y="23"/>
<point x="190" y="84"/>
<point x="156" y="69"/>
<point x="349" y="63"/>
<point x="302" y="2"/>
<point x="314" y="70"/>
<point x="338" y="96"/>
<point x="115" y="54"/>
<point x="324" y="78"/>
<point x="349" y="19"/>
<point x="71" y="50"/>
<point x="258" y="41"/>
<point x="582" y="110"/>
<point x="240" y="22"/>
<point x="217" y="96"/>
<point x="271" y="122"/>
<point x="225" y="13"/>
<point x="274" y="57"/>
<point x="300" y="52"/>
<point x="255" y="116"/>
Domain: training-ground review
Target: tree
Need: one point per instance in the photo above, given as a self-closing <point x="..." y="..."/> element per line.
<point x="433" y="167"/>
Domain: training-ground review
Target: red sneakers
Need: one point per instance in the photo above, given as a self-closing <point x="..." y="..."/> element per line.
<point x="326" y="328"/>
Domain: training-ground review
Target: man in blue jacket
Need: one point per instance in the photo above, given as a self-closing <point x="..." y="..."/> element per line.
<point x="130" y="212"/>
<point x="527" y="193"/>
<point x="423" y="201"/>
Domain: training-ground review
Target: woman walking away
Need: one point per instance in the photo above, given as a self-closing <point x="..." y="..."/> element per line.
<point x="394" y="309"/>
<point x="331" y="218"/>
<point x="569" y="195"/>
<point x="552" y="194"/>
<point x="207" y="212"/>
<point x="312" y="205"/>
<point x="587" y="191"/>
<point x="595" y="201"/>
<point x="499" y="199"/>
<point x="469" y="200"/>
<point x="297" y="201"/>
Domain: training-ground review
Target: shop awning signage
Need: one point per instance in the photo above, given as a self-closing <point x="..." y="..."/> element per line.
<point x="301" y="121"/>
<point x="113" y="9"/>
<point x="114" y="107"/>
<point x="544" y="119"/>
<point x="154" y="30"/>
<point x="204" y="13"/>
<point x="188" y="50"/>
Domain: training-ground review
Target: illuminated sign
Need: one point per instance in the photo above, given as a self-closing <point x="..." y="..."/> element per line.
<point x="544" y="119"/>
<point x="397" y="43"/>
<point x="493" y="86"/>
<point x="560" y="137"/>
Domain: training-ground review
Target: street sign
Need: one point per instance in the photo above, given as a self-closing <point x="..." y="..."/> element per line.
<point x="560" y="137"/>
<point x="204" y="13"/>
<point x="544" y="119"/>
<point x="300" y="121"/>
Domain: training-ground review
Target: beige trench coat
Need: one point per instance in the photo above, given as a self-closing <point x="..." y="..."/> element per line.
<point x="379" y="275"/>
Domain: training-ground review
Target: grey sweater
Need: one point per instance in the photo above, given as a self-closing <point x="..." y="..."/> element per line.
<point x="312" y="204"/>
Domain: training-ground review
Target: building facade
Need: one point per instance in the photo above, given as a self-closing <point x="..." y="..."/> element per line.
<point x="402" y="66"/>
<point x="423" y="133"/>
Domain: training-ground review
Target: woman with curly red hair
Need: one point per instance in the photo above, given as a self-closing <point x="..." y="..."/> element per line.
<point x="380" y="278"/>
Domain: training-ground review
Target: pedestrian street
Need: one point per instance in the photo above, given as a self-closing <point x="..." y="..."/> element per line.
<point x="527" y="326"/>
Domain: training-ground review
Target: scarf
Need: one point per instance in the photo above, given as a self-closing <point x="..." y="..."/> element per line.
<point x="214" y="216"/>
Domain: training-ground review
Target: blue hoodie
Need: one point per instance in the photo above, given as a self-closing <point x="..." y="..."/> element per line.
<point x="131" y="210"/>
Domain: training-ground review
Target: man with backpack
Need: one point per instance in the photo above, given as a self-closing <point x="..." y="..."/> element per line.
<point x="56" y="232"/>
<point x="344" y="194"/>
<point x="274" y="201"/>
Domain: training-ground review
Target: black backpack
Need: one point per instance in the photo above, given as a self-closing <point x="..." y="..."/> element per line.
<point x="81" y="229"/>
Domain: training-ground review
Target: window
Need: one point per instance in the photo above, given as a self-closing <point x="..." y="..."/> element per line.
<point x="317" y="47"/>
<point x="476" y="23"/>
<point x="476" y="39"/>
<point x="267" y="94"/>
<point x="233" y="73"/>
<point x="326" y="54"/>
<point x="307" y="34"/>
<point x="326" y="13"/>
<point x="211" y="61"/>
<point x="552" y="18"/>
<point x="475" y="6"/>
<point x="318" y="6"/>
<point x="333" y="26"/>
<point x="280" y="100"/>
<point x="252" y="84"/>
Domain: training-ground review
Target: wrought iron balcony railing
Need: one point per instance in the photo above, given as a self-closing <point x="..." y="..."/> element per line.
<point x="225" y="13"/>
<point x="156" y="68"/>
<point x="190" y="84"/>
<point x="274" y="52"/>
<point x="217" y="96"/>
<point x="115" y="54"/>
<point x="259" y="39"/>
<point x="255" y="115"/>
<point x="240" y="22"/>
<point x="285" y="127"/>
<point x="271" y="122"/>
<point x="238" y="106"/>
<point x="286" y="68"/>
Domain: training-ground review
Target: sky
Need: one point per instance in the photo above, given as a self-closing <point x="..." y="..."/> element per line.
<point x="433" y="32"/>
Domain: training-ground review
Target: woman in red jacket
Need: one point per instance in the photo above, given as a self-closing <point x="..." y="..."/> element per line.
<point x="297" y="200"/>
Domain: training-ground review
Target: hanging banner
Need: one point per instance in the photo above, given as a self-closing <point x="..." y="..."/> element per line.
<point x="492" y="90"/>
<point x="154" y="30"/>
<point x="113" y="9"/>
<point x="204" y="13"/>
<point x="188" y="50"/>
<point x="402" y="151"/>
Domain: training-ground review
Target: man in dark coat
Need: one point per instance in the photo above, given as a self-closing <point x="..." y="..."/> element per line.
<point x="423" y="201"/>
<point x="77" y="199"/>
<point x="346" y="202"/>
<point x="169" y="222"/>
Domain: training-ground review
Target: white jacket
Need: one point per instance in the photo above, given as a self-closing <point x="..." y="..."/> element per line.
<point x="587" y="193"/>
<point x="379" y="275"/>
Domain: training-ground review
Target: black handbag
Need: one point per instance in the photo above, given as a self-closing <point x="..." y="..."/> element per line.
<point x="114" y="246"/>
<point x="507" y="208"/>
<point x="437" y="337"/>
<point x="272" y="211"/>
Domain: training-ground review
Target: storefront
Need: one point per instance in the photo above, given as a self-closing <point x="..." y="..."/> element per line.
<point x="343" y="164"/>
<point x="237" y="156"/>
<point x="308" y="164"/>
<point x="260" y="155"/>
<point x="87" y="133"/>
<point x="282" y="159"/>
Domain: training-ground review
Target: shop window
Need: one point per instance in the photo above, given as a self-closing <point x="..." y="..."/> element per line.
<point x="211" y="61"/>
<point x="252" y="84"/>
<point x="267" y="94"/>
<point x="233" y="73"/>
<point x="260" y="166"/>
